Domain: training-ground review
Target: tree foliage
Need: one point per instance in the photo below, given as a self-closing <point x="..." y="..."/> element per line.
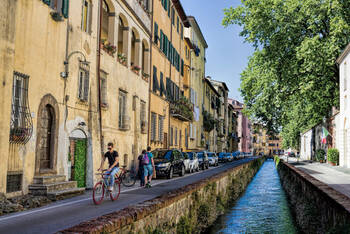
<point x="291" y="81"/>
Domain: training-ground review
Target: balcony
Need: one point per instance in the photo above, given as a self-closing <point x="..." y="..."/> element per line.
<point x="142" y="11"/>
<point x="182" y="109"/>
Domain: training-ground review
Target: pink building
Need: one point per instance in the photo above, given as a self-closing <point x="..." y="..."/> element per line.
<point x="243" y="127"/>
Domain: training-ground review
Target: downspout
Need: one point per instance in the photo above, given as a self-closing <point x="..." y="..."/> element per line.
<point x="171" y="39"/>
<point x="149" y="83"/>
<point x="65" y="99"/>
<point x="98" y="76"/>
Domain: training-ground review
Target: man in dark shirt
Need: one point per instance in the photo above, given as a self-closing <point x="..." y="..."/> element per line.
<point x="113" y="162"/>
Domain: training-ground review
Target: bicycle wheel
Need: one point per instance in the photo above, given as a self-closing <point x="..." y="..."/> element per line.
<point x="98" y="193"/>
<point x="116" y="191"/>
<point x="129" y="179"/>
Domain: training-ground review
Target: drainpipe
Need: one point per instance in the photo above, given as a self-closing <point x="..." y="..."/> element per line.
<point x="171" y="39"/>
<point x="149" y="83"/>
<point x="65" y="99"/>
<point x="98" y="75"/>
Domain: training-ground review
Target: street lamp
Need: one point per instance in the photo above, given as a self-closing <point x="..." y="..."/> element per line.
<point x="66" y="63"/>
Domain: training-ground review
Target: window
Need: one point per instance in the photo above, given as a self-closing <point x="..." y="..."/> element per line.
<point x="83" y="91"/>
<point x="155" y="80"/>
<point x="107" y="33"/>
<point x="182" y="31"/>
<point x="173" y="16"/>
<point x="153" y="126"/>
<point x="104" y="99"/>
<point x="59" y="6"/>
<point x="156" y="37"/>
<point x="21" y="123"/>
<point x="143" y="116"/>
<point x="14" y="182"/>
<point x="86" y="16"/>
<point x="177" y="24"/>
<point x="345" y="76"/>
<point x="175" y="136"/>
<point x="171" y="136"/>
<point x="122" y="118"/>
<point x="161" y="128"/>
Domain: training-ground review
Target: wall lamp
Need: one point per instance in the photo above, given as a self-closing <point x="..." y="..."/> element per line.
<point x="66" y="63"/>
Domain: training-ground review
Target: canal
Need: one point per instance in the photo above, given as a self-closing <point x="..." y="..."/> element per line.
<point x="263" y="208"/>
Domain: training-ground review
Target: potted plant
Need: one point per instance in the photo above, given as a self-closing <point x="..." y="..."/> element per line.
<point x="333" y="156"/>
<point x="320" y="153"/>
<point x="108" y="47"/>
<point x="122" y="58"/>
<point x="135" y="69"/>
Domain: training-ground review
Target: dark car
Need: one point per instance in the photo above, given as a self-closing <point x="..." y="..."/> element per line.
<point x="203" y="160"/>
<point x="222" y="157"/>
<point x="168" y="162"/>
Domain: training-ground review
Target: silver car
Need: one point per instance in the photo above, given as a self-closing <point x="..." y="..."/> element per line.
<point x="213" y="159"/>
<point x="193" y="163"/>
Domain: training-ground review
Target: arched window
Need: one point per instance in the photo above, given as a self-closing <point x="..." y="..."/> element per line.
<point x="121" y="36"/>
<point x="145" y="57"/>
<point x="107" y="30"/>
<point x="133" y="49"/>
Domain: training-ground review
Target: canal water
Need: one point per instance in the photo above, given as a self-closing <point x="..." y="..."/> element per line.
<point x="263" y="208"/>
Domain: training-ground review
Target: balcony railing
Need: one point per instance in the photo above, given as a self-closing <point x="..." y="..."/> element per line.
<point x="182" y="109"/>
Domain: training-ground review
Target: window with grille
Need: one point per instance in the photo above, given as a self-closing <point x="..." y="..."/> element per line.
<point x="175" y="136"/>
<point x="153" y="126"/>
<point x="161" y="128"/>
<point x="143" y="117"/>
<point x="14" y="182"/>
<point x="345" y="76"/>
<point x="104" y="99"/>
<point x="21" y="125"/>
<point x="86" y="16"/>
<point x="122" y="117"/>
<point x="171" y="136"/>
<point x="83" y="91"/>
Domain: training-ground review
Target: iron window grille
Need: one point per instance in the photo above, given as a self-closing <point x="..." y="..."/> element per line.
<point x="14" y="182"/>
<point x="83" y="92"/>
<point x="21" y="125"/>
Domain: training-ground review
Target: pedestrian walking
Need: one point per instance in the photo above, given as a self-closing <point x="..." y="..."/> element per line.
<point x="148" y="165"/>
<point x="140" y="169"/>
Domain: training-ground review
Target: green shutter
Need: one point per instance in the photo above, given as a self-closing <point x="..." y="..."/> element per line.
<point x="47" y="2"/>
<point x="65" y="7"/>
<point x="182" y="67"/>
<point x="161" y="40"/>
<point x="155" y="33"/>
<point x="168" y="8"/>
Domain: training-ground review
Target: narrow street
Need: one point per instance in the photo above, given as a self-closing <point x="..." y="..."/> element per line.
<point x="64" y="214"/>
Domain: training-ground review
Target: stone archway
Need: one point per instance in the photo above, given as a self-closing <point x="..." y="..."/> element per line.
<point x="47" y="136"/>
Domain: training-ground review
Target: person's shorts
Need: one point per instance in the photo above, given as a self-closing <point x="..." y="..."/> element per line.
<point x="148" y="170"/>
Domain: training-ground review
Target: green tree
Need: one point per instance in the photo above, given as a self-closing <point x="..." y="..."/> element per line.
<point x="291" y="81"/>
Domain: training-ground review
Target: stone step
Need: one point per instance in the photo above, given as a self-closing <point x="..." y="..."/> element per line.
<point x="43" y="189"/>
<point x="62" y="194"/>
<point x="49" y="179"/>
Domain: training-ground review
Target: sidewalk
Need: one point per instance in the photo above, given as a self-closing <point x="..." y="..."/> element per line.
<point x="334" y="176"/>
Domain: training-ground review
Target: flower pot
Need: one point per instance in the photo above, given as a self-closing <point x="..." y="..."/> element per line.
<point x="333" y="164"/>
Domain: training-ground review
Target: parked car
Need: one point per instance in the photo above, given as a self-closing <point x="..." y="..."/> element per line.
<point x="213" y="159"/>
<point x="235" y="155"/>
<point x="168" y="162"/>
<point x="203" y="160"/>
<point x="194" y="163"/>
<point x="186" y="161"/>
<point x="222" y="157"/>
<point x="229" y="157"/>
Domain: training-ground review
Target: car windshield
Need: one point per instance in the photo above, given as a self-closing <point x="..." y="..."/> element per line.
<point x="190" y="155"/>
<point x="163" y="154"/>
<point x="200" y="155"/>
<point x="221" y="154"/>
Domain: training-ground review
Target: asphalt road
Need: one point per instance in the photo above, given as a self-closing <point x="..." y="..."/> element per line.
<point x="67" y="213"/>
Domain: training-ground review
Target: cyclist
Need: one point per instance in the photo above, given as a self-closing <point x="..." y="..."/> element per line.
<point x="113" y="169"/>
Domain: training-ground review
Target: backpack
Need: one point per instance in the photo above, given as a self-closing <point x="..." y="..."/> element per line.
<point x="145" y="159"/>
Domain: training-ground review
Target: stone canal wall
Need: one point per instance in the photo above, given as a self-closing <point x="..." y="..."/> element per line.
<point x="316" y="207"/>
<point x="190" y="209"/>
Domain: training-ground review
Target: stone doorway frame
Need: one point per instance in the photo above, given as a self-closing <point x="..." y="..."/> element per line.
<point x="48" y="99"/>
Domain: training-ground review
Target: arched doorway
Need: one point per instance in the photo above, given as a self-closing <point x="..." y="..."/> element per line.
<point x="47" y="136"/>
<point x="77" y="157"/>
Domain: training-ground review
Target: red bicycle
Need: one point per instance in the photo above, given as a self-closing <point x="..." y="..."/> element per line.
<point x="100" y="189"/>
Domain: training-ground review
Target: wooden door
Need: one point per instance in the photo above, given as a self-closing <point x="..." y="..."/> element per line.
<point x="46" y="142"/>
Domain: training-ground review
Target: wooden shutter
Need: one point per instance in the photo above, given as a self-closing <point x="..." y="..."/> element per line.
<point x="182" y="67"/>
<point x="168" y="8"/>
<point x="162" y="89"/>
<point x="65" y="9"/>
<point x="155" y="80"/>
<point x="161" y="40"/>
<point x="155" y="33"/>
<point x="86" y="85"/>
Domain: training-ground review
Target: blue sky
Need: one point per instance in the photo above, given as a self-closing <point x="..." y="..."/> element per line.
<point x="227" y="54"/>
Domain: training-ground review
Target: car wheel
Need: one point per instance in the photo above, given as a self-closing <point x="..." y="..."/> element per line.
<point x="171" y="173"/>
<point x="208" y="166"/>
<point x="182" y="172"/>
<point x="197" y="169"/>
